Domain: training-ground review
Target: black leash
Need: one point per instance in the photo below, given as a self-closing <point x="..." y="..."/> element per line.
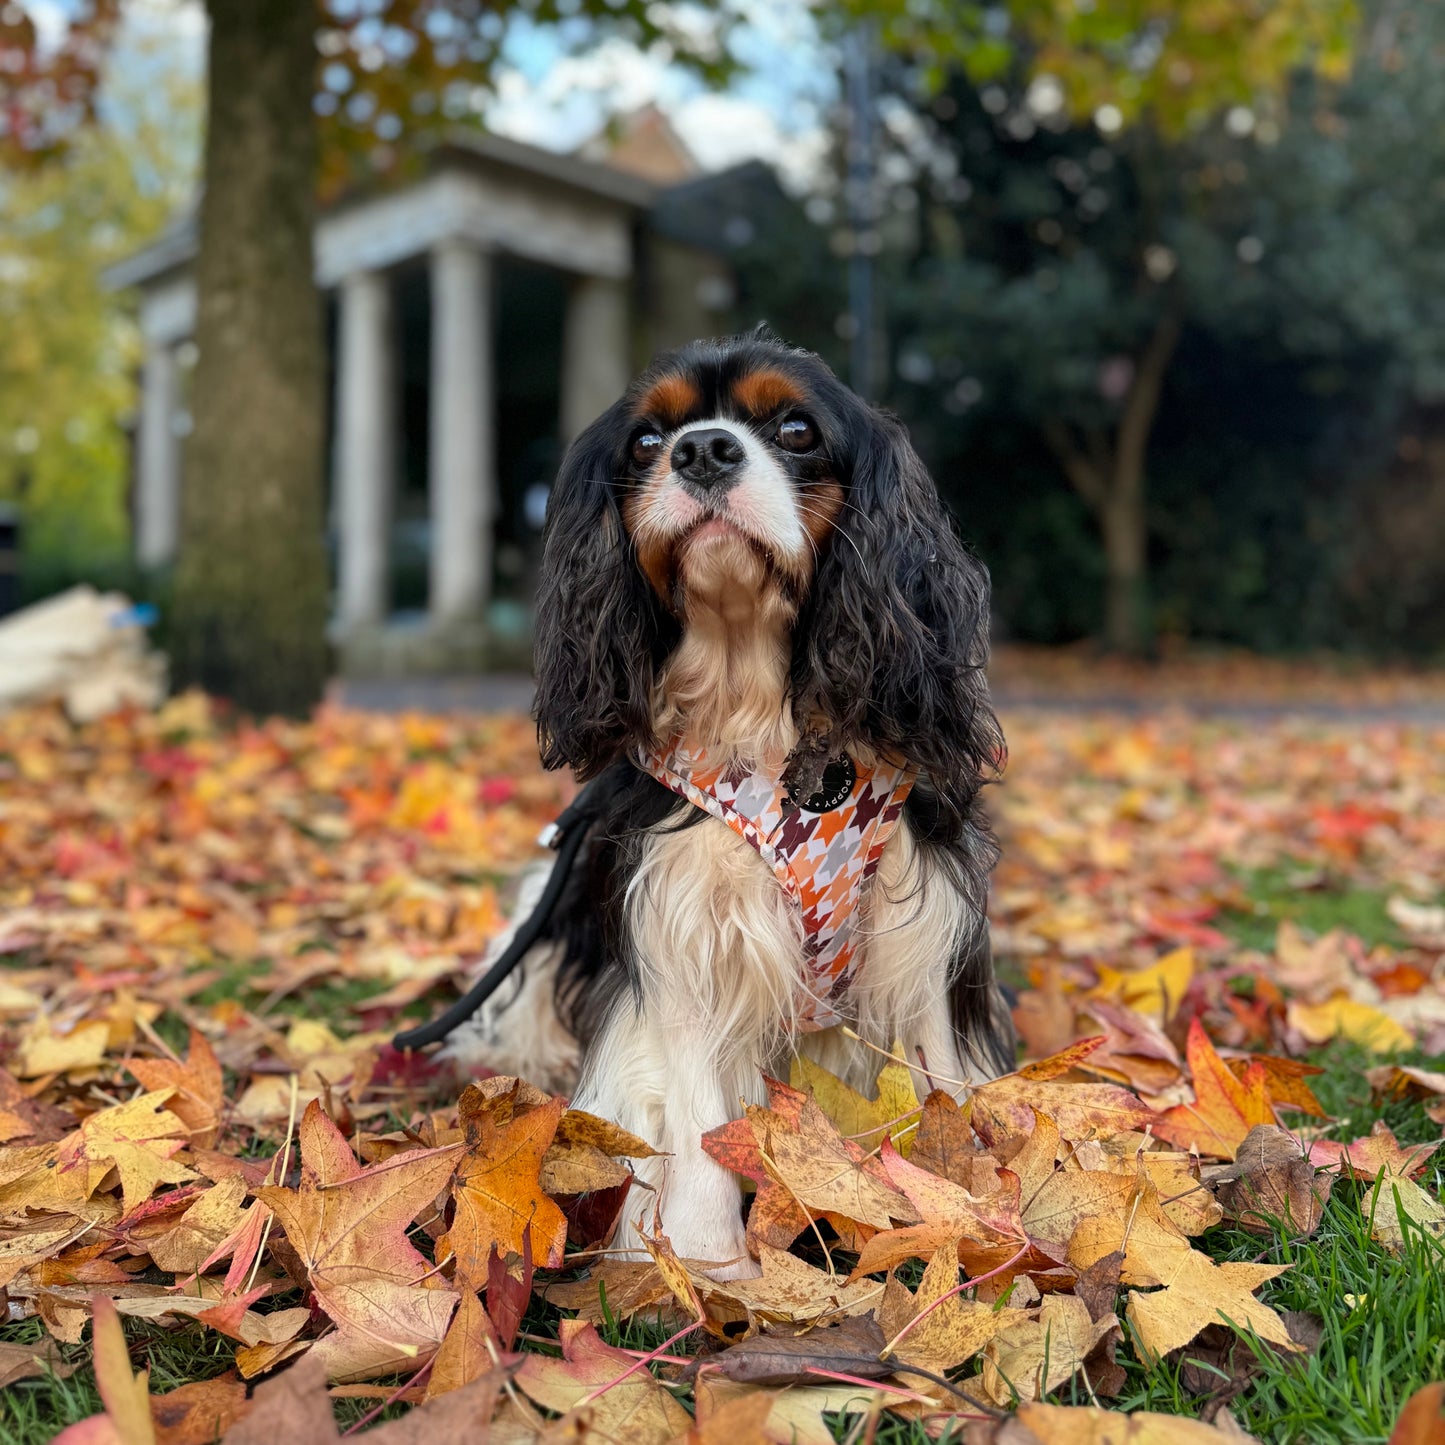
<point x="566" y="835"/>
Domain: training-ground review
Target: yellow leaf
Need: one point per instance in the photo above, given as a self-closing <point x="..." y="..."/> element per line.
<point x="894" y="1111"/>
<point x="1345" y="1018"/>
<point x="1036" y="1356"/>
<point x="1399" y="1199"/>
<point x="1157" y="990"/>
<point x="1198" y="1292"/>
<point x="45" y="1052"/>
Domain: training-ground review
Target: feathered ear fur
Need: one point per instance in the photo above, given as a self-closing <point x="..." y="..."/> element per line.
<point x="893" y="643"/>
<point x="600" y="633"/>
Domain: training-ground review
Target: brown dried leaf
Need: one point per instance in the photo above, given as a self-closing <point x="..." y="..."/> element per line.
<point x="850" y="1348"/>
<point x="624" y="1400"/>
<point x="1030" y="1358"/>
<point x="348" y="1225"/>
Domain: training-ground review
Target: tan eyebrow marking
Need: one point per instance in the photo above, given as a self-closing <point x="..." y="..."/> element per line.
<point x="670" y="399"/>
<point x="764" y="392"/>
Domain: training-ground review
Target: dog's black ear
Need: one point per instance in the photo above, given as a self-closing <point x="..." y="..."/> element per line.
<point x="893" y="644"/>
<point x="600" y="632"/>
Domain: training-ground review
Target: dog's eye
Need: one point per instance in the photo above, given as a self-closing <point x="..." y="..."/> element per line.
<point x="646" y="447"/>
<point x="797" y="434"/>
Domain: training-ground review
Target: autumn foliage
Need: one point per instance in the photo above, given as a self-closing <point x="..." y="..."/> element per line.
<point x="212" y="928"/>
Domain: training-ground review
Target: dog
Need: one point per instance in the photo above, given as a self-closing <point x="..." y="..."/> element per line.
<point x="755" y="618"/>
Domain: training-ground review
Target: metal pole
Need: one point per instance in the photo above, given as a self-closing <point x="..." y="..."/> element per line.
<point x="861" y="207"/>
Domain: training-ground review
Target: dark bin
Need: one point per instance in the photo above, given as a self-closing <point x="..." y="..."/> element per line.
<point x="9" y="557"/>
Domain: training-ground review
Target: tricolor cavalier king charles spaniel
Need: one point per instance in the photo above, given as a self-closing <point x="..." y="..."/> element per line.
<point x="755" y="617"/>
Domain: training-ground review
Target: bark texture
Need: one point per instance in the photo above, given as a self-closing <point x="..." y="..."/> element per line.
<point x="251" y="582"/>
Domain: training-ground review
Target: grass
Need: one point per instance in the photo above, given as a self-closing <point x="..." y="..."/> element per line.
<point x="1382" y="1317"/>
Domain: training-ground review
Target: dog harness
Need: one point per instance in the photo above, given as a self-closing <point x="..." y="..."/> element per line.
<point x="824" y="850"/>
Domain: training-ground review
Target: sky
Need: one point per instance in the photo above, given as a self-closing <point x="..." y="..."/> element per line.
<point x="774" y="109"/>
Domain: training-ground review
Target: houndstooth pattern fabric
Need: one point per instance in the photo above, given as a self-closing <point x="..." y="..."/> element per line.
<point x="825" y="861"/>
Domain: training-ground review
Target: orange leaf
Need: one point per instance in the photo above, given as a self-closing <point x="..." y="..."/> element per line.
<point x="1224" y="1110"/>
<point x="498" y="1192"/>
<point x="197" y="1091"/>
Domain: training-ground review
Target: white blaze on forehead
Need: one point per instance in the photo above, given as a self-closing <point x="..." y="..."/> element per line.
<point x="761" y="501"/>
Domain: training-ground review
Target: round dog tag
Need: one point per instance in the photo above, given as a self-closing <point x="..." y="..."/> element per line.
<point x="838" y="778"/>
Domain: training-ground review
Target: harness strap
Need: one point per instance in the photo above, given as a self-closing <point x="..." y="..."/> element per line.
<point x="824" y="850"/>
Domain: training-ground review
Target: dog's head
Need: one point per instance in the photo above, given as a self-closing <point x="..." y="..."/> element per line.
<point x="739" y="486"/>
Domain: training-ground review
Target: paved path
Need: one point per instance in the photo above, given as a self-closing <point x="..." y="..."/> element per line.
<point x="512" y="692"/>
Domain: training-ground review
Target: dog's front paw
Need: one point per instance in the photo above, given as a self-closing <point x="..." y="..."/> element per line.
<point x="745" y="1268"/>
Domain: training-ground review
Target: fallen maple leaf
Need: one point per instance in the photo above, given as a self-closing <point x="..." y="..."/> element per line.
<point x="137" y="1139"/>
<point x="1224" y="1110"/>
<point x="1284" y="1081"/>
<point x="851" y="1348"/>
<point x="1039" y="1424"/>
<point x="824" y="1172"/>
<point x="989" y="1228"/>
<point x="1347" y="1018"/>
<point x="1053" y="1199"/>
<point x="893" y="1111"/>
<point x="23" y="1362"/>
<point x="615" y="1288"/>
<point x="625" y="1401"/>
<point x="196" y="1090"/>
<point x="583" y="1155"/>
<point x="804" y="1169"/>
<point x="197" y="1235"/>
<point x="498" y="1192"/>
<point x="43" y="1051"/>
<point x="1273" y="1185"/>
<point x="1198" y="1292"/>
<point x="199" y="1413"/>
<point x="790" y="1290"/>
<point x="1156" y="991"/>
<point x="1377" y="1153"/>
<point x="1398" y="1207"/>
<point x="795" y="1417"/>
<point x="348" y="1226"/>
<point x="728" y="1422"/>
<point x="464" y="1354"/>
<point x="1033" y="1357"/>
<point x="944" y="1145"/>
<point x="934" y="1327"/>
<point x="1005" y="1109"/>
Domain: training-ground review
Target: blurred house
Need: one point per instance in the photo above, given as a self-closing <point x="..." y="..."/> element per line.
<point x="479" y="316"/>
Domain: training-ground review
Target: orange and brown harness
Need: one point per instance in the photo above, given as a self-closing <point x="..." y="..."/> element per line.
<point x="823" y="851"/>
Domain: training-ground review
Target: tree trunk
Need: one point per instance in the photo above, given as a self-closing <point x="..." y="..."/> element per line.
<point x="1122" y="522"/>
<point x="251" y="584"/>
<point x="1111" y="480"/>
<point x="1124" y="514"/>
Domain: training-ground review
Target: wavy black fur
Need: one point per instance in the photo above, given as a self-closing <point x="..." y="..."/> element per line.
<point x="889" y="651"/>
<point x="601" y="633"/>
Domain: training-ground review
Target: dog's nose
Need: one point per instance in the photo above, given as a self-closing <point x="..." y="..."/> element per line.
<point x="708" y="457"/>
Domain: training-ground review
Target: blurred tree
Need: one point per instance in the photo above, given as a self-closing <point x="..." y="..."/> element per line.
<point x="1068" y="249"/>
<point x="251" y="585"/>
<point x="1292" y="248"/>
<point x="66" y="353"/>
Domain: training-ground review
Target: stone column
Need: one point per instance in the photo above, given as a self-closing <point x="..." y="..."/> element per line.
<point x="463" y="481"/>
<point x="158" y="460"/>
<point x="364" y="466"/>
<point x="596" y="351"/>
